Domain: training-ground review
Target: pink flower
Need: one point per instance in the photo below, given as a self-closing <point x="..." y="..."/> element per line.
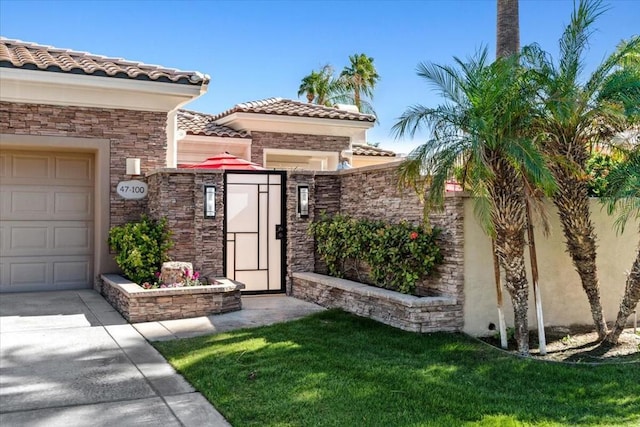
<point x="158" y="274"/>
<point x="196" y="275"/>
<point x="413" y="235"/>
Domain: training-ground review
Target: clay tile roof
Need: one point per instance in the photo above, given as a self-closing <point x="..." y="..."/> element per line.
<point x="31" y="56"/>
<point x="288" y="107"/>
<point x="194" y="123"/>
<point x="369" y="150"/>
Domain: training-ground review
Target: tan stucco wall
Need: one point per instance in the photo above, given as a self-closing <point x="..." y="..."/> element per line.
<point x="362" y="161"/>
<point x="564" y="301"/>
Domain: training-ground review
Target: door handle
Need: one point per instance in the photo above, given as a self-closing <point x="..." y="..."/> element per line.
<point x="279" y="232"/>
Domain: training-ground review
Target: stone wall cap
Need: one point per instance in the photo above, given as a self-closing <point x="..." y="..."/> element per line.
<point x="135" y="291"/>
<point x="168" y="171"/>
<point x="368" y="290"/>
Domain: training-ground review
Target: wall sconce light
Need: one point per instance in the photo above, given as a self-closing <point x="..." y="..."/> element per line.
<point x="303" y="201"/>
<point x="209" y="201"/>
<point x="133" y="166"/>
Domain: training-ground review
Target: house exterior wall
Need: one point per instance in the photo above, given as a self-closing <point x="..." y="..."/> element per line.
<point x="564" y="302"/>
<point x="362" y="161"/>
<point x="300" y="246"/>
<point x="373" y="193"/>
<point x="291" y="141"/>
<point x="178" y="196"/>
<point x="137" y="134"/>
<point x="113" y="135"/>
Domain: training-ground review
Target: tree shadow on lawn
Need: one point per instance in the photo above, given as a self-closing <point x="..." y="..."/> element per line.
<point x="334" y="368"/>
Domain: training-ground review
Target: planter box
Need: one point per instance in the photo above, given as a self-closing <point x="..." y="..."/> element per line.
<point x="407" y="312"/>
<point x="149" y="305"/>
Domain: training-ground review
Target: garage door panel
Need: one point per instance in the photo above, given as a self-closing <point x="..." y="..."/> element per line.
<point x="46" y="228"/>
<point x="76" y="203"/>
<point x="30" y="166"/>
<point x="76" y="169"/>
<point x="70" y="237"/>
<point x="29" y="237"/>
<point x="52" y="203"/>
<point x="48" y="238"/>
<point x="4" y="165"/>
<point x="71" y="272"/>
<point x="58" y="272"/>
<point x="27" y="201"/>
<point x="28" y="272"/>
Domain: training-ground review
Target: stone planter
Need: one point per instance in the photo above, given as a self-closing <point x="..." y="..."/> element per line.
<point x="149" y="305"/>
<point x="407" y="312"/>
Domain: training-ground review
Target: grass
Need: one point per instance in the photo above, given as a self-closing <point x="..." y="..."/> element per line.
<point x="335" y="369"/>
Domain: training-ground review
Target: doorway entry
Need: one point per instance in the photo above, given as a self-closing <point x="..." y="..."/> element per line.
<point x="254" y="230"/>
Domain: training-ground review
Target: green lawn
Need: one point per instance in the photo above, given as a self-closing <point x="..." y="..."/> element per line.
<point x="335" y="369"/>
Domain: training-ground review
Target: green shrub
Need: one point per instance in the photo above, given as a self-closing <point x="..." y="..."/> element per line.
<point x="141" y="247"/>
<point x="399" y="255"/>
<point x="598" y="167"/>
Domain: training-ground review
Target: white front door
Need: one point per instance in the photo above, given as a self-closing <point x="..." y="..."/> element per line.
<point x="254" y="230"/>
<point x="46" y="220"/>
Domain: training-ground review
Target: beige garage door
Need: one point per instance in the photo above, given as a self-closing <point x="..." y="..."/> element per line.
<point x="46" y="221"/>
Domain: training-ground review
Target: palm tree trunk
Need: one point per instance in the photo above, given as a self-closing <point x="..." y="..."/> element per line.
<point x="502" y="327"/>
<point x="572" y="202"/>
<point x="629" y="301"/>
<point x="510" y="222"/>
<point x="533" y="256"/>
<point x="508" y="28"/>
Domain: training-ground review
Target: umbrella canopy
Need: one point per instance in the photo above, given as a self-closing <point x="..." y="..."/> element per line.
<point x="225" y="161"/>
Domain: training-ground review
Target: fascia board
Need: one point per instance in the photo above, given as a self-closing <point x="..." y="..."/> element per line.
<point x="291" y="124"/>
<point x="30" y="86"/>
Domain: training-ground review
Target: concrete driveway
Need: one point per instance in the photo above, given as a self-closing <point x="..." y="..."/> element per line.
<point x="69" y="359"/>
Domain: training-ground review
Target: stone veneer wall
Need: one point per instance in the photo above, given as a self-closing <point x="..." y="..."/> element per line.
<point x="292" y="141"/>
<point x="152" y="305"/>
<point x="137" y="134"/>
<point x="407" y="312"/>
<point x="300" y="246"/>
<point x="373" y="193"/>
<point x="178" y="196"/>
<point x="326" y="201"/>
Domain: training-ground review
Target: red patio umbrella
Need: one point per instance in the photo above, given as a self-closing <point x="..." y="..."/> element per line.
<point x="225" y="161"/>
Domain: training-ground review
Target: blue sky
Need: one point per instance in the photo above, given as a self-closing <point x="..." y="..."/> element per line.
<point x="260" y="49"/>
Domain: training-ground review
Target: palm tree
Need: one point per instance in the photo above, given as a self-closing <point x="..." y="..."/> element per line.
<point x="623" y="190"/>
<point x="360" y="77"/>
<point x="564" y="123"/>
<point x="485" y="111"/>
<point x="320" y="86"/>
<point x="507" y="28"/>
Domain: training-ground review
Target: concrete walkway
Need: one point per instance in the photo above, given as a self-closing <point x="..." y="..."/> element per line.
<point x="69" y="359"/>
<point x="256" y="311"/>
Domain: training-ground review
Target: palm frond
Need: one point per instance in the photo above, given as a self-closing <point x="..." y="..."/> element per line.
<point x="623" y="191"/>
<point x="575" y="38"/>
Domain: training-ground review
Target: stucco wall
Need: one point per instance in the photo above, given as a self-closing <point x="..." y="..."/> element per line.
<point x="564" y="301"/>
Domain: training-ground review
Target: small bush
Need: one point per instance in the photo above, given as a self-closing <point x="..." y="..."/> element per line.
<point x="598" y="167"/>
<point x="141" y="247"/>
<point x="399" y="255"/>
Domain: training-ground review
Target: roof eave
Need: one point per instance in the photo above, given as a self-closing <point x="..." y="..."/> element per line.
<point x="41" y="87"/>
<point x="293" y="124"/>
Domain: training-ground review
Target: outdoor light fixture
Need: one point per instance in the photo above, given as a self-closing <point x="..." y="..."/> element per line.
<point x="303" y="201"/>
<point x="209" y="201"/>
<point x="133" y="166"/>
